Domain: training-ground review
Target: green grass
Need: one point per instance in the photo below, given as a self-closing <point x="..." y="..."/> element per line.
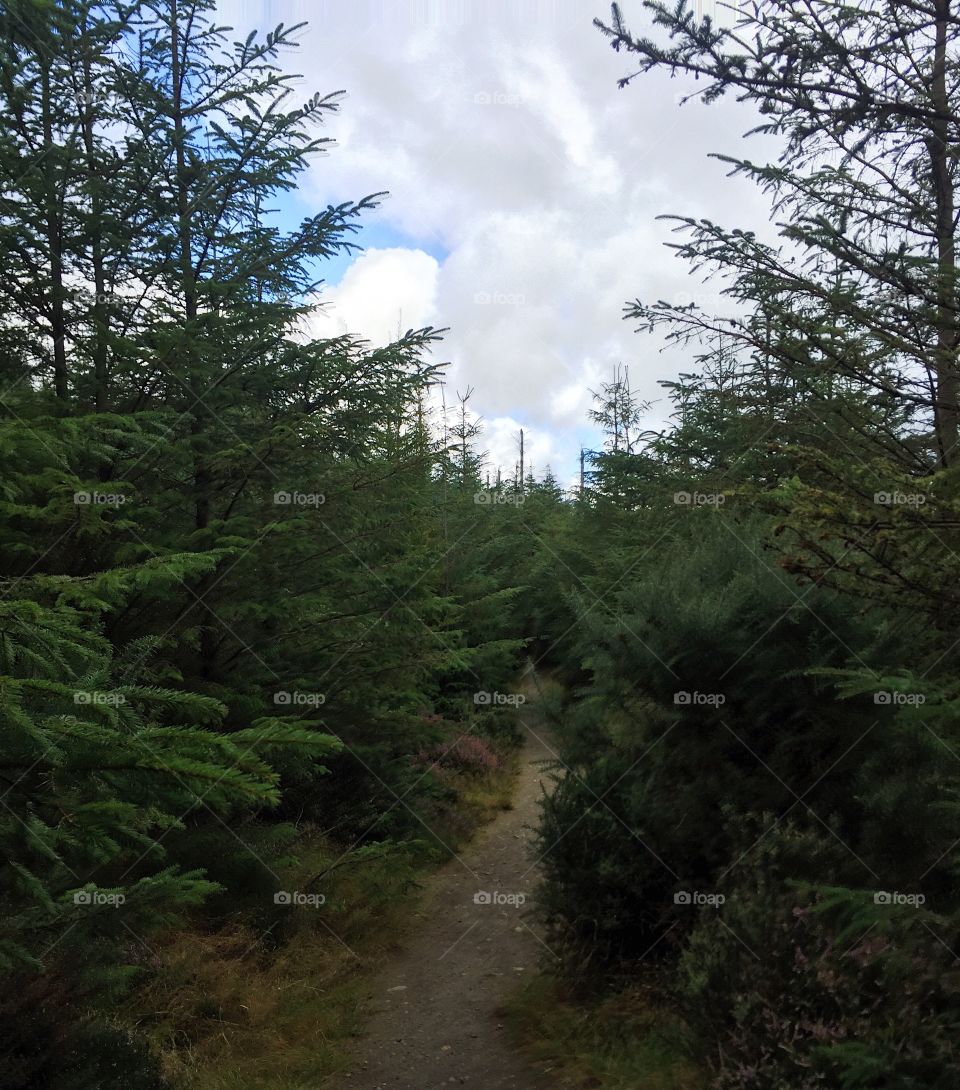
<point x="615" y="1042"/>
<point x="230" y="1008"/>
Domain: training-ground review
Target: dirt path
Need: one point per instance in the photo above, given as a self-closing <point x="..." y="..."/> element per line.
<point x="435" y="1023"/>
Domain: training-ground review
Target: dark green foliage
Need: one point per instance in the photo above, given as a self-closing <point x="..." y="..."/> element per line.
<point x="789" y="806"/>
<point x="252" y="596"/>
<point x="225" y="616"/>
<point x="811" y="987"/>
<point x="41" y="1050"/>
<point x="715" y="623"/>
<point x="779" y="858"/>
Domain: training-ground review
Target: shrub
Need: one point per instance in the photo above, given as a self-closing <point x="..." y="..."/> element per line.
<point x="691" y="712"/>
<point x="811" y="988"/>
<point x="466" y="753"/>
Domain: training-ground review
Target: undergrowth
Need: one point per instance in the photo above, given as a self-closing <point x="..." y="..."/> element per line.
<point x="621" y="1040"/>
<point x="270" y="1000"/>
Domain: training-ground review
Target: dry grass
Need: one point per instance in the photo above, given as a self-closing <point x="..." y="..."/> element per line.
<point x="620" y="1042"/>
<point x="229" y="1016"/>
<point x="240" y="1009"/>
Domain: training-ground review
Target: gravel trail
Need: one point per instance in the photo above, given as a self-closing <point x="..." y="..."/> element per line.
<point x="434" y="1013"/>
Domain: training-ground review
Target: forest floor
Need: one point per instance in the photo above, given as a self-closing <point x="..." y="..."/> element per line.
<point x="434" y="1015"/>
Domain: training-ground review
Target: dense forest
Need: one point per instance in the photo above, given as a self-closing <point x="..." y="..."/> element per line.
<point x="264" y="603"/>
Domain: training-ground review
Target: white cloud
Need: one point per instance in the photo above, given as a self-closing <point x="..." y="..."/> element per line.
<point x="498" y="128"/>
<point x="381" y="290"/>
<point x="502" y="442"/>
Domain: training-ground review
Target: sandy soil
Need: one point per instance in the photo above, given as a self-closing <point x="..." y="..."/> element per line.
<point x="434" y="1022"/>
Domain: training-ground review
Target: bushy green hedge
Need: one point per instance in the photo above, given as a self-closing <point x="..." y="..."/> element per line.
<point x="743" y="843"/>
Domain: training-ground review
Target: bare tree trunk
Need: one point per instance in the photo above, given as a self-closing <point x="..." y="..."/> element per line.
<point x="201" y="471"/>
<point x="521" y="459"/>
<point x="58" y="326"/>
<point x="945" y="408"/>
<point x="100" y="312"/>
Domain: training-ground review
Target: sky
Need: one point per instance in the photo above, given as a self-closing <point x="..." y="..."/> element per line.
<point x="524" y="194"/>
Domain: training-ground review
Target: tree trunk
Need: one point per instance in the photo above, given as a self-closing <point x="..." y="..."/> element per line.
<point x="945" y="409"/>
<point x="58" y="327"/>
<point x="100" y="311"/>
